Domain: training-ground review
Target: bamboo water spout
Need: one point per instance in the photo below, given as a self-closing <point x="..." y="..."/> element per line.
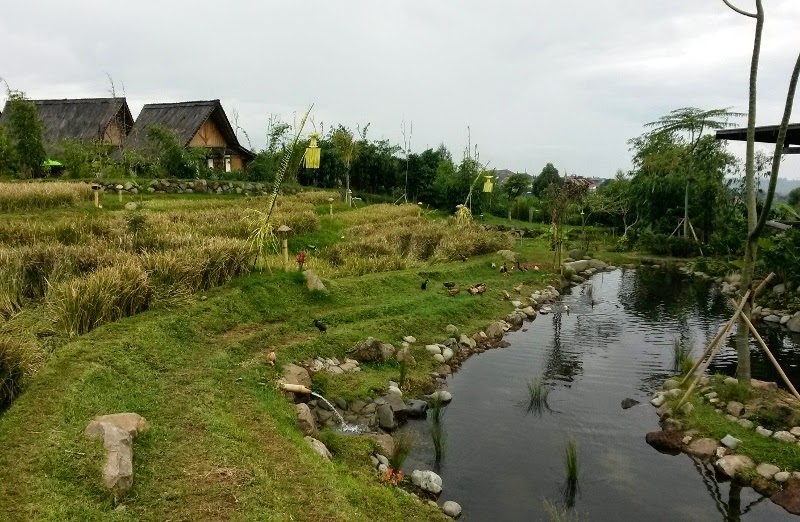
<point x="294" y="388"/>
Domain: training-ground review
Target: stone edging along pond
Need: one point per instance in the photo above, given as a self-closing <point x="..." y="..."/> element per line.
<point x="384" y="414"/>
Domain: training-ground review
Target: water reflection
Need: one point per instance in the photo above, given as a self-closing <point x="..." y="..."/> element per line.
<point x="616" y="343"/>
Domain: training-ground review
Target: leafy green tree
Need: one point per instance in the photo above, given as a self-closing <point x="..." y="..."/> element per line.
<point x="7" y="154"/>
<point x="171" y="158"/>
<point x="793" y="198"/>
<point x="516" y="186"/>
<point x="348" y="146"/>
<point x="26" y="131"/>
<point x="548" y="176"/>
<point x="694" y="122"/>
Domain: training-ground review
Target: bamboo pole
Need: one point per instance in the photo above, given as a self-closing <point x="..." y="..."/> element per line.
<point x="771" y="357"/>
<point x="722" y="333"/>
<point x="696" y="240"/>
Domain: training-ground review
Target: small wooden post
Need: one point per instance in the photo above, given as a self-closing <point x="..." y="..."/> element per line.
<point x="96" y="189"/>
<point x="119" y="192"/>
<point x="330" y="204"/>
<point x="284" y="230"/>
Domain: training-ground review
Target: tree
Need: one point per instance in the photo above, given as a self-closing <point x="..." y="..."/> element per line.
<point x="516" y="185"/>
<point x="171" y="157"/>
<point x="756" y="222"/>
<point x="26" y="130"/>
<point x="548" y="176"/>
<point x="347" y="145"/>
<point x="7" y="154"/>
<point x="793" y="198"/>
<point x="693" y="121"/>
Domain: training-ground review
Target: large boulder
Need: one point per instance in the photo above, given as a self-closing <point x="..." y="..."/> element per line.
<point x="386" y="418"/>
<point x="117" y="432"/>
<point x="597" y="264"/>
<point x="703" y="448"/>
<point x="313" y="282"/>
<point x="294" y="374"/>
<point x="577" y="266"/>
<point x="305" y="419"/>
<point x="495" y="330"/>
<point x="318" y="447"/>
<point x="789" y="498"/>
<point x="372" y="350"/>
<point x="384" y="440"/>
<point x="730" y="465"/>
<point x="451" y="509"/>
<point x="669" y="442"/>
<point x="416" y="409"/>
<point x="577" y="254"/>
<point x="427" y="481"/>
<point x="794" y="323"/>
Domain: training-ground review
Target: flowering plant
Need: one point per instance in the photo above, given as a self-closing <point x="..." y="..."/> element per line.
<point x="391" y="476"/>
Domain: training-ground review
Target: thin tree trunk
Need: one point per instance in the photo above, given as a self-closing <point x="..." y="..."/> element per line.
<point x="751" y="246"/>
<point x="686" y="211"/>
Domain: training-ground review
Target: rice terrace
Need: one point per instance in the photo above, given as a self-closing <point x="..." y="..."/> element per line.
<point x="233" y="309"/>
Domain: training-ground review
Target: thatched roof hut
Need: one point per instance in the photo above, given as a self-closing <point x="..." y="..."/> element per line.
<point x="196" y="124"/>
<point x="105" y="119"/>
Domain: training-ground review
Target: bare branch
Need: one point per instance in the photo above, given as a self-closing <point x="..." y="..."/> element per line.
<point x="740" y="11"/>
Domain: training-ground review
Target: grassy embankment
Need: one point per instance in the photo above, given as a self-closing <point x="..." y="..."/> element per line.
<point x="223" y="442"/>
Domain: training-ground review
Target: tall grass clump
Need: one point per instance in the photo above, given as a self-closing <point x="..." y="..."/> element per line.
<point x="17" y="361"/>
<point x="681" y="357"/>
<point x="80" y="305"/>
<point x="438" y="434"/>
<point x="15" y="197"/>
<point x="403" y="444"/>
<point x="538" y="391"/>
<point x="572" y="468"/>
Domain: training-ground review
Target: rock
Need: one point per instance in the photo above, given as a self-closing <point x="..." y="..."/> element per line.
<point x="466" y="341"/>
<point x="664" y="411"/>
<point x="729" y="441"/>
<point x="658" y="400"/>
<point x="597" y="264"/>
<point x="441" y="395"/>
<point x="433" y="349"/>
<point x="117" y="432"/>
<point x="382" y="459"/>
<point x="781" y="476"/>
<point x="305" y="420"/>
<point x="451" y="329"/>
<point x="764" y="431"/>
<point x="767" y="470"/>
<point x="793" y="324"/>
<point x="789" y="498"/>
<point x="447" y="354"/>
<point x="439" y="357"/>
<point x="687" y="408"/>
<point x="731" y="418"/>
<point x="385" y="441"/>
<point x="427" y="481"/>
<point x="735" y="408"/>
<point x="318" y="447"/>
<point x="577" y="254"/>
<point x="784" y="436"/>
<point x="763" y="385"/>
<point x="671" y="384"/>
<point x="665" y="441"/>
<point x="730" y="381"/>
<point x="410" y="339"/>
<point x="704" y="448"/>
<point x="629" y="403"/>
<point x="451" y="509"/>
<point x="529" y="312"/>
<point x="711" y="395"/>
<point x="730" y="465"/>
<point x="372" y="350"/>
<point x="515" y="319"/>
<point x="416" y="409"/>
<point x="745" y="423"/>
<point x="675" y="392"/>
<point x="779" y="289"/>
<point x="795" y="431"/>
<point x="313" y="282"/>
<point x="386" y="417"/>
<point x="294" y="374"/>
<point x="495" y="330"/>
<point x="130" y="205"/>
<point x="772" y="318"/>
<point x="395" y="390"/>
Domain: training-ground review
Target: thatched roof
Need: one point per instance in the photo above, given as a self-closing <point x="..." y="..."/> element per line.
<point x="82" y="119"/>
<point x="184" y="119"/>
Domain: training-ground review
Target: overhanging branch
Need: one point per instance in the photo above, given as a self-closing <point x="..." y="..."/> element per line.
<point x="740" y="11"/>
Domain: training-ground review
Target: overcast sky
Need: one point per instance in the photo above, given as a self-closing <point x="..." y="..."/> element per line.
<point x="537" y="82"/>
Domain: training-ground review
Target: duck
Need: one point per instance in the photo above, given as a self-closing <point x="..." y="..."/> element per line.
<point x="453" y="291"/>
<point x="322" y="327"/>
<point x="424" y="285"/>
<point x="271" y="358"/>
<point x="521" y="268"/>
<point x="449" y="284"/>
<point x="566" y="309"/>
<point x="504" y="268"/>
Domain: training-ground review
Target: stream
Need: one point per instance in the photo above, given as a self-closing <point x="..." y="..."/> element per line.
<point x="502" y="462"/>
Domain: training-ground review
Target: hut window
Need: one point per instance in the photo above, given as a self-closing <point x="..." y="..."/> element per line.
<point x="210" y="163"/>
<point x="227" y="163"/>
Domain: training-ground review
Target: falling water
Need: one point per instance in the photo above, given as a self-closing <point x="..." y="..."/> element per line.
<point x="348" y="428"/>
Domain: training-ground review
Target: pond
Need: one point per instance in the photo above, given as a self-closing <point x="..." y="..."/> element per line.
<point x="502" y="462"/>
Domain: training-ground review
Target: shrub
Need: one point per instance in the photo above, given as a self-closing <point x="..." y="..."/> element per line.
<point x="82" y="304"/>
<point x="15" y="197"/>
<point x="17" y="361"/>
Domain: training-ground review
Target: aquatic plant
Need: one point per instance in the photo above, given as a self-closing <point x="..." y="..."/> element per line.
<point x="572" y="468"/>
<point x="438" y="434"/>
<point x="557" y="515"/>
<point x="538" y="391"/>
<point x="681" y="357"/>
<point x="403" y="444"/>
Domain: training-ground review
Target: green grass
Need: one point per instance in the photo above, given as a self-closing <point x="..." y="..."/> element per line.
<point x="538" y="391"/>
<point x="572" y="470"/>
<point x="438" y="433"/>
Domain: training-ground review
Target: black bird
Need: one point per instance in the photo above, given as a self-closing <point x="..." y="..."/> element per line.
<point x="521" y="268"/>
<point x="320" y="326"/>
<point x="449" y="284"/>
<point x="312" y="247"/>
<point x="424" y="285"/>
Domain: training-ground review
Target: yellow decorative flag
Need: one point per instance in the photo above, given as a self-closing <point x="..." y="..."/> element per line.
<point x="311" y="157"/>
<point x="488" y="186"/>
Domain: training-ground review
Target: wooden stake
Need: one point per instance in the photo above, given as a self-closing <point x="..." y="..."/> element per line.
<point x="771" y="357"/>
<point x="285" y="249"/>
<point x="695" y="239"/>
<point x="718" y="337"/>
